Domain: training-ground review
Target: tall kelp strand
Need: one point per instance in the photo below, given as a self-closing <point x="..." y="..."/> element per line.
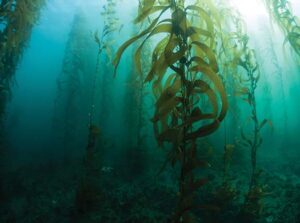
<point x="89" y="195"/>
<point x="17" y="18"/>
<point x="247" y="76"/>
<point x="184" y="72"/>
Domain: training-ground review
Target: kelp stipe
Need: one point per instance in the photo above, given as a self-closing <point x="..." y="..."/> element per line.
<point x="252" y="210"/>
<point x="187" y="51"/>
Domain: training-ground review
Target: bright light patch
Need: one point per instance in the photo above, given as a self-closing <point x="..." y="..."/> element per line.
<point x="250" y="9"/>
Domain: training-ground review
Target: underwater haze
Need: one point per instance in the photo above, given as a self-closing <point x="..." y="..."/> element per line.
<point x="149" y="111"/>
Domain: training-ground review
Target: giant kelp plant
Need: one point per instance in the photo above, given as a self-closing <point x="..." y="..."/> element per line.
<point x="188" y="51"/>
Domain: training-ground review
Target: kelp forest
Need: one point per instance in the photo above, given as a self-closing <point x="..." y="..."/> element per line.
<point x="149" y="111"/>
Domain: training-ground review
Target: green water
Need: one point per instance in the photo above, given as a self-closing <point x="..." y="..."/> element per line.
<point x="82" y="140"/>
